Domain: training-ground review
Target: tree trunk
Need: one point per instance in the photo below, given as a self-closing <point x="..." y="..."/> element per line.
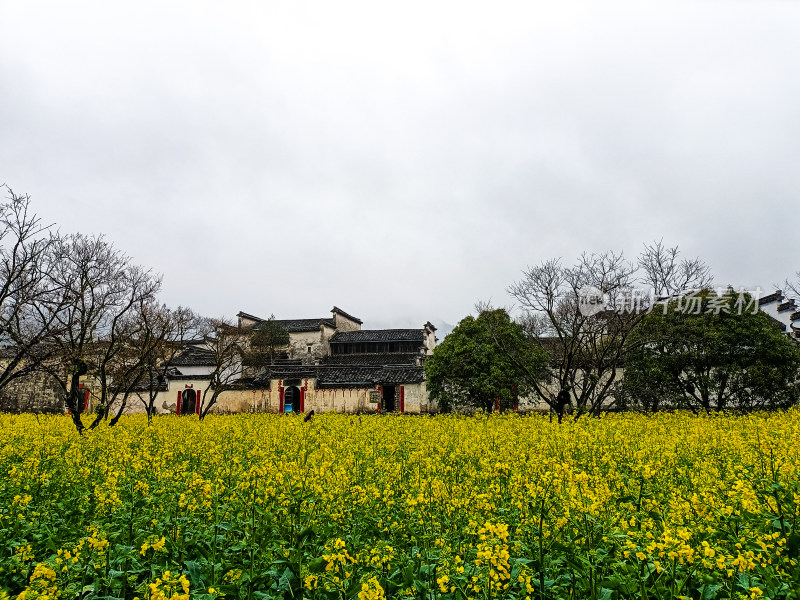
<point x="204" y="409"/>
<point x="73" y="403"/>
<point x="119" y="413"/>
<point x="102" y="414"/>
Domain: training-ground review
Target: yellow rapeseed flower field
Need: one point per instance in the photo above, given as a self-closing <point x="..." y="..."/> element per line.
<point x="449" y="507"/>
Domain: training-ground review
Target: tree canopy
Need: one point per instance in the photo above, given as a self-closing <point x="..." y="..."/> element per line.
<point x="469" y="369"/>
<point x="269" y="339"/>
<point x="711" y="352"/>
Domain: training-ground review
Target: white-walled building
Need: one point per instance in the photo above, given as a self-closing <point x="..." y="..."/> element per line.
<point x="330" y="364"/>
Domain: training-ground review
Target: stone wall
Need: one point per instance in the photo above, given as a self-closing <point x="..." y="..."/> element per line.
<point x="41" y="393"/>
<point x="343" y="323"/>
<point x="349" y="400"/>
<point x="38" y="392"/>
<point x="300" y="341"/>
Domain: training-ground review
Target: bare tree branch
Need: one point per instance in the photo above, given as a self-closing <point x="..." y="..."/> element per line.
<point x="586" y="347"/>
<point x="29" y="299"/>
<point x="669" y="275"/>
<point x="227" y="345"/>
<point x="101" y="288"/>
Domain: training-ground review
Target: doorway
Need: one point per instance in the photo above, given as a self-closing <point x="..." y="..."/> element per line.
<point x="188" y="402"/>
<point x="291" y="399"/>
<point x="388" y="399"/>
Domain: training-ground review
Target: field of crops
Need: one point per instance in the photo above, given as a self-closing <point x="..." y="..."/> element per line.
<point x="264" y="506"/>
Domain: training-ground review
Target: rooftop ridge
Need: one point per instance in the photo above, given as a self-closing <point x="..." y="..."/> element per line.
<point x="338" y="310"/>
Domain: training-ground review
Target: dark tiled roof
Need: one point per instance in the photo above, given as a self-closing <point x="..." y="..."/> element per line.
<point x="381" y="359"/>
<point x="194" y="357"/>
<point x="790" y="305"/>
<point x="369" y="376"/>
<point x="296" y="325"/>
<point x="159" y="384"/>
<point x="345" y="375"/>
<point x="248" y="316"/>
<point x="336" y="309"/>
<point x="774" y="297"/>
<point x="779" y="324"/>
<point x="190" y="377"/>
<point x="286" y="372"/>
<point x="379" y="335"/>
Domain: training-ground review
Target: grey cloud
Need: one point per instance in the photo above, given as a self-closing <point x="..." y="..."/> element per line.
<point x="404" y="163"/>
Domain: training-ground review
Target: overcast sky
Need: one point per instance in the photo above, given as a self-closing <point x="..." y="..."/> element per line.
<point x="404" y="160"/>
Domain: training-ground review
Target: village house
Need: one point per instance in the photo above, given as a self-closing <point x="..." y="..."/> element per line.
<point x="784" y="311"/>
<point x="329" y="364"/>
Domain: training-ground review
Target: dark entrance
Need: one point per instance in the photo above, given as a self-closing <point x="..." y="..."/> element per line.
<point x="188" y="402"/>
<point x="291" y="399"/>
<point x="388" y="399"/>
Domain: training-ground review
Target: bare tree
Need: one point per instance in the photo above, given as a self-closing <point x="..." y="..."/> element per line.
<point x="163" y="335"/>
<point x="667" y="274"/>
<point x="226" y="346"/>
<point x="793" y="286"/>
<point x="29" y="299"/>
<point x="586" y="344"/>
<point x="119" y="360"/>
<point x="148" y="339"/>
<point x="103" y="288"/>
<point x="269" y="340"/>
<point x="584" y="315"/>
<point x="125" y="370"/>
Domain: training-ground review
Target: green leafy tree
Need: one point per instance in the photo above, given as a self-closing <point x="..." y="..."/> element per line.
<point x="270" y="339"/>
<point x="698" y="352"/>
<point x="469" y="368"/>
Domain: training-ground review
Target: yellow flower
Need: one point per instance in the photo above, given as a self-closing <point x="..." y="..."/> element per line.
<point x="371" y="590"/>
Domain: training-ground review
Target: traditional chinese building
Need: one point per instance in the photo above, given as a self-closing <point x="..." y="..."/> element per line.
<point x="329" y="364"/>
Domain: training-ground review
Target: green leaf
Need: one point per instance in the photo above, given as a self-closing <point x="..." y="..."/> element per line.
<point x="195" y="572"/>
<point x="606" y="594"/>
<point x="317" y="565"/>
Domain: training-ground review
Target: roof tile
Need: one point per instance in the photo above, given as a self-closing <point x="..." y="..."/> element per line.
<point x="379" y="335"/>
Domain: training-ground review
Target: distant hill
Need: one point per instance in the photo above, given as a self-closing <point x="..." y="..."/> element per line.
<point x="442" y="328"/>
